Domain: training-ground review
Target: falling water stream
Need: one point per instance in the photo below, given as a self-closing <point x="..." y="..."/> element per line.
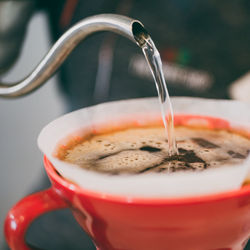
<point x="153" y="58"/>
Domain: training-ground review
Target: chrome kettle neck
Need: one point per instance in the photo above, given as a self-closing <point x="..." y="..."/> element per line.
<point x="125" y="26"/>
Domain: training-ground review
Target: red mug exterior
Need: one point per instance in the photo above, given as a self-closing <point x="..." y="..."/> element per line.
<point x="220" y="221"/>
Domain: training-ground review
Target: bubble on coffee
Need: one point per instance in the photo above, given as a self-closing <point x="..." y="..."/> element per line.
<point x="145" y="150"/>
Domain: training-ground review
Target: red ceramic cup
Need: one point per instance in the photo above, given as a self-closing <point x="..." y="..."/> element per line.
<point x="220" y="221"/>
<point x="206" y="222"/>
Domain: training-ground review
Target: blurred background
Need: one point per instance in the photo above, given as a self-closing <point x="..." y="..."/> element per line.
<point x="205" y="47"/>
<point x="22" y="119"/>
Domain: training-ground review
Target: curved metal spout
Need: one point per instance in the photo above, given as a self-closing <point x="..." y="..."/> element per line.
<point x="122" y="25"/>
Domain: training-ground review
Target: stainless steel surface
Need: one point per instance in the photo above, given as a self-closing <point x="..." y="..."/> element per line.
<point x="125" y="26"/>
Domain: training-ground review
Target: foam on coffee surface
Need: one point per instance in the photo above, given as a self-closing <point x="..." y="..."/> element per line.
<point x="145" y="150"/>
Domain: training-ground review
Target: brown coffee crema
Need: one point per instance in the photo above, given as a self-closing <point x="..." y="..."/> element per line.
<point x="145" y="150"/>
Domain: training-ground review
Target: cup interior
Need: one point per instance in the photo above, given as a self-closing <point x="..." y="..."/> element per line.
<point x="224" y="113"/>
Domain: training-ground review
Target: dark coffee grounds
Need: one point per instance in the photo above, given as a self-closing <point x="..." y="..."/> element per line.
<point x="145" y="150"/>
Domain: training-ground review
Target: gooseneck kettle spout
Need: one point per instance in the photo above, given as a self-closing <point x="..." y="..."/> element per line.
<point x="122" y="25"/>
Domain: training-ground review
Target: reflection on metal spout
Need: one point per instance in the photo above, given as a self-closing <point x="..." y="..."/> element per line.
<point x="125" y="26"/>
<point x="140" y="34"/>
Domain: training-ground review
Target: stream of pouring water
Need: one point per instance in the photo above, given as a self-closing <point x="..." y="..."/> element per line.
<point x="153" y="58"/>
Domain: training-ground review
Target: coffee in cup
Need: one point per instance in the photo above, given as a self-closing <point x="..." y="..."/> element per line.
<point x="139" y="150"/>
<point x="203" y="125"/>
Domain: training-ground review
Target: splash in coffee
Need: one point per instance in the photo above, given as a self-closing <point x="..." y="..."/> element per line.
<point x="145" y="150"/>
